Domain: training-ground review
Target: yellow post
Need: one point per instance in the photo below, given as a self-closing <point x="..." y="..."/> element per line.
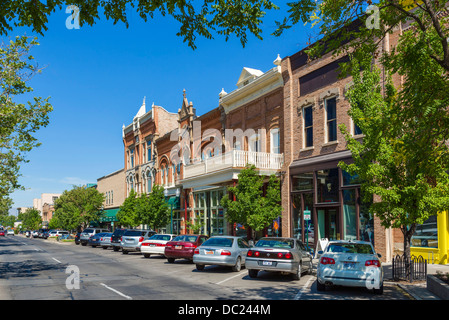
<point x="443" y="237"/>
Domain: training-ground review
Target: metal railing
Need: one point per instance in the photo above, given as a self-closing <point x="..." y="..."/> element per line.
<point x="413" y="270"/>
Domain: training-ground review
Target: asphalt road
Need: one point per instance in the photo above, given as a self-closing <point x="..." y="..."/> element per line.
<point x="37" y="269"/>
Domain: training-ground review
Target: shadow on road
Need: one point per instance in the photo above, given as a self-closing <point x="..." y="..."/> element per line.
<point x="27" y="268"/>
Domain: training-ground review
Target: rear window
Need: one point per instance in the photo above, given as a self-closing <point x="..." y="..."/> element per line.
<point x="361" y="248"/>
<point x="164" y="237"/>
<point x="88" y="231"/>
<point x="219" y="242"/>
<point x="134" y="233"/>
<point x="186" y="238"/>
<point x="276" y="243"/>
<point x="119" y="232"/>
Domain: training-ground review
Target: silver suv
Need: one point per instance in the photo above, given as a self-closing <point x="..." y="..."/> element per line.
<point x="89" y="232"/>
<point x="132" y="239"/>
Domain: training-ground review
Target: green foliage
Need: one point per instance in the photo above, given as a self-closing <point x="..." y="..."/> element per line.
<point x="19" y="122"/>
<point x="77" y="208"/>
<point x="251" y="208"/>
<point x="127" y="215"/>
<point x="31" y="219"/>
<point x="225" y="18"/>
<point x="152" y="209"/>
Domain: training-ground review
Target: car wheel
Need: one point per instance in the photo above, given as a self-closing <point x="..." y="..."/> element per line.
<point x="238" y="265"/>
<point x="320" y="286"/>
<point x="297" y="275"/>
<point x="310" y="268"/>
<point x="116" y="249"/>
<point x="146" y="255"/>
<point x="253" y="273"/>
<point x="84" y="244"/>
<point x="200" y="267"/>
<point x="124" y="252"/>
<point x="171" y="260"/>
<point x="104" y="248"/>
<point x="380" y="290"/>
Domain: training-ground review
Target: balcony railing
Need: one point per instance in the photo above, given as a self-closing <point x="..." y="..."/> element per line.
<point x="235" y="159"/>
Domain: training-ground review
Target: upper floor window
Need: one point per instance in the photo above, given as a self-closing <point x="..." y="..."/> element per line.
<point x="331" y="119"/>
<point x="275" y="141"/>
<point x="149" y="155"/>
<point x="131" y="158"/>
<point x="308" y="126"/>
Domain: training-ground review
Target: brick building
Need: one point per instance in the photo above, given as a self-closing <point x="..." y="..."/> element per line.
<point x="113" y="188"/>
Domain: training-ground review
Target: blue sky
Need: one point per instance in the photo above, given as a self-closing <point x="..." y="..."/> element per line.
<point x="98" y="76"/>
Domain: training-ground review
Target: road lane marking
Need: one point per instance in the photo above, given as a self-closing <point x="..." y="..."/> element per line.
<point x="56" y="260"/>
<point x="116" y="291"/>
<point x="299" y="294"/>
<point x="237" y="275"/>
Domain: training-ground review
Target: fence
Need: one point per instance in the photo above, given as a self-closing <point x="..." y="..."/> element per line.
<point x="414" y="270"/>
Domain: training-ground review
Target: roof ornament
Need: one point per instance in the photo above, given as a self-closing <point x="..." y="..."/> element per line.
<point x="278" y="60"/>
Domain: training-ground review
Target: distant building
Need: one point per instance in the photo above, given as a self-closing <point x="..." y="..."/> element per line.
<point x="46" y="198"/>
<point x="113" y="188"/>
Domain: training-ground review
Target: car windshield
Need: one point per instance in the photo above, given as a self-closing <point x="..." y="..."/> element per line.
<point x="276" y="243"/>
<point x="88" y="231"/>
<point x="119" y="232"/>
<point x="219" y="242"/>
<point x="186" y="238"/>
<point x="164" y="237"/>
<point x="362" y="248"/>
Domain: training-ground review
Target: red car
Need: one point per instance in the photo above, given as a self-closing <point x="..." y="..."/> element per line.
<point x="183" y="247"/>
<point x="2" y="233"/>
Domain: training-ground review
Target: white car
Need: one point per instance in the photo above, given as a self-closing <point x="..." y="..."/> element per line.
<point x="351" y="264"/>
<point x="155" y="244"/>
<point x="10" y="232"/>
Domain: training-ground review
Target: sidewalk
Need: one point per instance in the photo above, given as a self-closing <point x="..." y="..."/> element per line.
<point x="418" y="290"/>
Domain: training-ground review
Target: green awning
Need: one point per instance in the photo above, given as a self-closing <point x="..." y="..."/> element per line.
<point x="109" y="215"/>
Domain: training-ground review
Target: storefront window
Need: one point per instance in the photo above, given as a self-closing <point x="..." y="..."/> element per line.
<point x="426" y="234"/>
<point x="303" y="181"/>
<point x="327" y="185"/>
<point x="298" y="216"/>
<point x="349" y="179"/>
<point x="349" y="215"/>
<point x="366" y="223"/>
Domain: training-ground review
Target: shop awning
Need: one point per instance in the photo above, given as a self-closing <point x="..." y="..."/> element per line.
<point x="109" y="215"/>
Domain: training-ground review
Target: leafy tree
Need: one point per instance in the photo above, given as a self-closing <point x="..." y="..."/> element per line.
<point x="19" y="121"/>
<point x="251" y="207"/>
<point x="404" y="157"/>
<point x="78" y="207"/>
<point x="152" y="209"/>
<point x="127" y="215"/>
<point x="31" y="219"/>
<point x="402" y="162"/>
<point x="212" y="16"/>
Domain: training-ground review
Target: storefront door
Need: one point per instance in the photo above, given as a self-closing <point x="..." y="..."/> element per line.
<point x="329" y="223"/>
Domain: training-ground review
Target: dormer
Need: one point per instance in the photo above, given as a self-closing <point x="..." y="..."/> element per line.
<point x="248" y="75"/>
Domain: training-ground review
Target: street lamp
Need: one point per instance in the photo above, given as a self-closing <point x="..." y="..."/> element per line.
<point x="178" y="192"/>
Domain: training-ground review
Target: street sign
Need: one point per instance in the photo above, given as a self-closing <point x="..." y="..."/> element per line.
<point x="307" y="215"/>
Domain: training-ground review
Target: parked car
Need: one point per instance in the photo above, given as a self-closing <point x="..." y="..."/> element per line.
<point x="183" y="247"/>
<point x="221" y="250"/>
<point x="155" y="244"/>
<point x="77" y="238"/>
<point x="40" y="232"/>
<point x="350" y="263"/>
<point x="46" y="234"/>
<point x="116" y="238"/>
<point x="2" y="233"/>
<point x="132" y="239"/>
<point x="94" y="240"/>
<point x="89" y="232"/>
<point x="35" y="233"/>
<point x="288" y="255"/>
<point x="27" y="233"/>
<point x="105" y="240"/>
<point x="57" y="233"/>
<point x="10" y="232"/>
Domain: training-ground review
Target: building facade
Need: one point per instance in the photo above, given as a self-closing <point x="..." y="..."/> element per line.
<point x="113" y="189"/>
